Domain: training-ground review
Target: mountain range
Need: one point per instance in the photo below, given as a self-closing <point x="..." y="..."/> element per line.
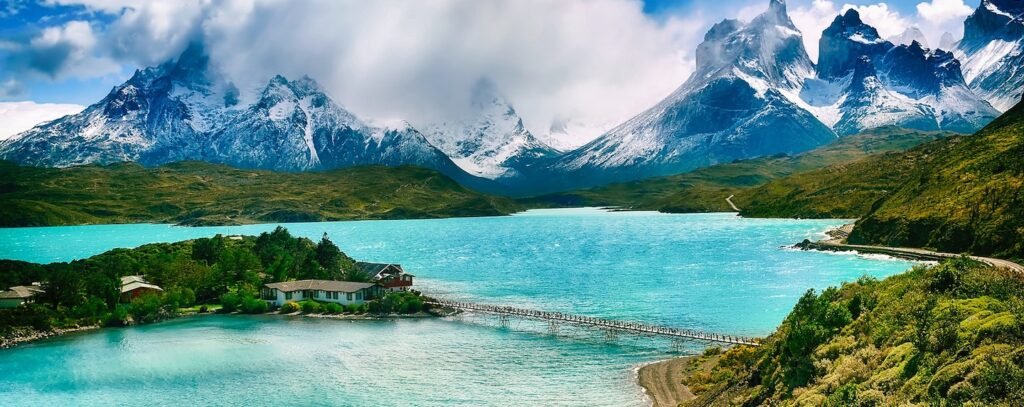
<point x="755" y="92"/>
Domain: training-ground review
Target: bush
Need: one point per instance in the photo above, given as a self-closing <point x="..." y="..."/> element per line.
<point x="333" y="308"/>
<point x="310" y="307"/>
<point x="254" y="306"/>
<point x="179" y="297"/>
<point x="289" y="307"/>
<point x="355" y="308"/>
<point x="230" y="302"/>
<point x="118" y="317"/>
<point x="146" y="308"/>
<point x="397" y="302"/>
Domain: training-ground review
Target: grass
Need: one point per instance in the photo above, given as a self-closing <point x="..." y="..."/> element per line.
<point x="958" y="194"/>
<point x="705" y="190"/>
<point x="195" y="193"/>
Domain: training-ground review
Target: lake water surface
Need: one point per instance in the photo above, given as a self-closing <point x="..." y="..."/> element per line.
<point x="714" y="272"/>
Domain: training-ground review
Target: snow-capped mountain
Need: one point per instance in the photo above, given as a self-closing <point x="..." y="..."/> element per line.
<point x="909" y="36"/>
<point x="182" y="110"/>
<point x="992" y="51"/>
<point x="159" y="115"/>
<point x="865" y="82"/>
<point x="733" y="106"/>
<point x="492" y="142"/>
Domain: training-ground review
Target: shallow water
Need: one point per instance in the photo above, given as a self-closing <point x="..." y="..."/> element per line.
<point x="714" y="272"/>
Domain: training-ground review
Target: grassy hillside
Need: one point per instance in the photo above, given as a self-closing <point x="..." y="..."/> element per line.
<point x="948" y="335"/>
<point x="197" y="193"/>
<point x="957" y="194"/>
<point x="705" y="190"/>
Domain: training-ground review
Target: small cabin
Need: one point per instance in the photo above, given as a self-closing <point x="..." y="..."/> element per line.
<point x="340" y="292"/>
<point x="19" y="294"/>
<point x="134" y="286"/>
<point x="390" y="276"/>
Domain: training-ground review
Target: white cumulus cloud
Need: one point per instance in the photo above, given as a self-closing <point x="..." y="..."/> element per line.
<point x="16" y="117"/>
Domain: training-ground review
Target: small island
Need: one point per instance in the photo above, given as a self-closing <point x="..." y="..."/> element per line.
<point x="273" y="272"/>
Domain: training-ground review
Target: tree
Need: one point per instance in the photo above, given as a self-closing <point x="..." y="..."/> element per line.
<point x="328" y="254"/>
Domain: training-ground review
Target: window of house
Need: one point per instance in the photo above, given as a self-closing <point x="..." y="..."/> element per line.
<point x="288" y="295"/>
<point x="359" y="296"/>
<point x="348" y="296"/>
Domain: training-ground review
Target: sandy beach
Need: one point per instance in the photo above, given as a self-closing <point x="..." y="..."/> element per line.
<point x="663" y="381"/>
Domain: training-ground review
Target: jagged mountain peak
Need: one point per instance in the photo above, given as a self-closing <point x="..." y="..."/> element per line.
<point x="845" y="41"/>
<point x="882" y="84"/>
<point x="910" y="35"/>
<point x="768" y="49"/>
<point x="490" y="141"/>
<point x="992" y="51"/>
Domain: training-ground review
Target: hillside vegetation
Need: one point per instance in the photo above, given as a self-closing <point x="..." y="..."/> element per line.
<point x="960" y="194"/>
<point x="946" y="335"/>
<point x="705" y="190"/>
<point x="196" y="193"/>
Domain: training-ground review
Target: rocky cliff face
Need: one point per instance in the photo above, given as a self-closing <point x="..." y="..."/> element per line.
<point x="182" y="110"/>
<point x="992" y="51"/>
<point x="865" y="82"/>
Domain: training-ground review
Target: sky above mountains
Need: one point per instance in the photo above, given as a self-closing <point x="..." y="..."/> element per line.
<point x="595" y="63"/>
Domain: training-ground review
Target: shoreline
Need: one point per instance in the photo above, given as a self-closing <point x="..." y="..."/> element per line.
<point x="837" y="243"/>
<point x="26" y="335"/>
<point x="661" y="381"/>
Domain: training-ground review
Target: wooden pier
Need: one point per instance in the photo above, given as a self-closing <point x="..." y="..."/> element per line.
<point x="555" y="318"/>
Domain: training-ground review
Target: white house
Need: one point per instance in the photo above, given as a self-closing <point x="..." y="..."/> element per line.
<point x="341" y="292"/>
<point x="19" y="294"/>
<point x="390" y="276"/>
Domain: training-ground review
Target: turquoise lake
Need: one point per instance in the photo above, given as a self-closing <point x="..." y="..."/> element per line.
<point x="713" y="272"/>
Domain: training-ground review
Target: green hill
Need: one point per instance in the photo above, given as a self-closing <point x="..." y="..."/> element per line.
<point x="946" y="335"/>
<point x="705" y="190"/>
<point x="197" y="193"/>
<point x="960" y="194"/>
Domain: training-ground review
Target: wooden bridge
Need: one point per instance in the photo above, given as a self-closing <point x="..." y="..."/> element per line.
<point x="608" y="324"/>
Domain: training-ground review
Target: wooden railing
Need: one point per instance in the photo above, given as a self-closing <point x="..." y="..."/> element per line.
<point x="627" y="326"/>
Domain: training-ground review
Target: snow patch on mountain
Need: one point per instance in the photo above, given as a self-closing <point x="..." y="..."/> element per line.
<point x="491" y="142"/>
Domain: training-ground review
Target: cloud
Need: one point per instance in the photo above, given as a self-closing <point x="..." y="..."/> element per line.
<point x="60" y="51"/>
<point x="940" y="16"/>
<point x="11" y="88"/>
<point x="16" y="117"/>
<point x="813" y="18"/>
<point x="596" y="62"/>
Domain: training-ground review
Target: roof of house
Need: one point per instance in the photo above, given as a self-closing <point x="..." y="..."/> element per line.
<point x="132" y="279"/>
<point x="374" y="270"/>
<point x="21" y="291"/>
<point x="325" y="285"/>
<point x="135" y="285"/>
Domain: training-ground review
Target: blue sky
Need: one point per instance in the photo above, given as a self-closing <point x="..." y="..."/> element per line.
<point x="555" y="59"/>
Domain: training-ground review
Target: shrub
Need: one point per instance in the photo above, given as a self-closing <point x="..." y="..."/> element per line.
<point x="146" y="308"/>
<point x="254" y="306"/>
<point x="230" y="302"/>
<point x="289" y="307"/>
<point x="355" y="308"/>
<point x="118" y="317"/>
<point x="179" y="297"/>
<point x="333" y="308"/>
<point x="310" y="307"/>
